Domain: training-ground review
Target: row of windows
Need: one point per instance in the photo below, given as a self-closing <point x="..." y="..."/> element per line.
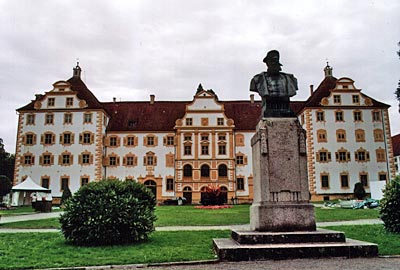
<point x="359" y="135"/>
<point x="337" y="99"/>
<point x="344" y="179"/>
<point x="65" y="138"/>
<point x="343" y="155"/>
<point x="187" y="149"/>
<point x="357" y="116"/>
<point x="69" y="102"/>
<point x="86" y="158"/>
<point x="204" y="121"/>
<point x="49" y="119"/>
<point x="64" y="159"/>
<point x="87" y="137"/>
<point x="205" y="170"/>
<point x="84" y="180"/>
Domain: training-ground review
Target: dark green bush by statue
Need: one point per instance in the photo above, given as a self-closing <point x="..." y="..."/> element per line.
<point x="109" y="212"/>
<point x="390" y="206"/>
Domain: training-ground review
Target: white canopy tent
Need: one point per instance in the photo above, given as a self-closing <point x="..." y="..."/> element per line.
<point x="24" y="190"/>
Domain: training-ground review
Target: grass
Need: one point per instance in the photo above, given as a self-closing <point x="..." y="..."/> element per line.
<point x="35" y="250"/>
<point x="190" y="216"/>
<point x="187" y="215"/>
<point x="17" y="211"/>
<point x="343" y="214"/>
<point x="388" y="243"/>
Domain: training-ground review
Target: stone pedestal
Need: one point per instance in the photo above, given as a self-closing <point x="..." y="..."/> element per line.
<point x="282" y="219"/>
<point x="281" y="194"/>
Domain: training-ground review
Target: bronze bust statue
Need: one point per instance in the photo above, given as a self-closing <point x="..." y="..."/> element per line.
<point x="274" y="87"/>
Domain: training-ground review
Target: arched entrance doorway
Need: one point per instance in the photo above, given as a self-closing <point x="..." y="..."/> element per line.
<point x="187" y="194"/>
<point x="224" y="194"/>
<point x="152" y="185"/>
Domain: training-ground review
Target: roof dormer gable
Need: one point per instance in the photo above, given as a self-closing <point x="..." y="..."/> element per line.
<point x="61" y="87"/>
<point x="345" y="84"/>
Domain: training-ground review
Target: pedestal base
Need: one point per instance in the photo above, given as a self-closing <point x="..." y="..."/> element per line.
<point x="282" y="217"/>
<point x="253" y="246"/>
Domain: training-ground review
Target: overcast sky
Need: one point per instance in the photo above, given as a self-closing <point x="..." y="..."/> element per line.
<point x="131" y="49"/>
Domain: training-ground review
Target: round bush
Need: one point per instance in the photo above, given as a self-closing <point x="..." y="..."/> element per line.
<point x="109" y="212"/>
<point x="390" y="206"/>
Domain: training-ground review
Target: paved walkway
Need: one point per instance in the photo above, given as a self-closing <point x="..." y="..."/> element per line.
<point x="37" y="216"/>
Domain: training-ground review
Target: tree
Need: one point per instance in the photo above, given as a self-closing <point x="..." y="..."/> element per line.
<point x="359" y="191"/>
<point x="390" y="205"/>
<point x="65" y="195"/>
<point x="7" y="162"/>
<point x="5" y="186"/>
<point x="398" y="85"/>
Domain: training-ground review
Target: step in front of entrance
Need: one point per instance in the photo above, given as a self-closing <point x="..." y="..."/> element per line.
<point x="230" y="250"/>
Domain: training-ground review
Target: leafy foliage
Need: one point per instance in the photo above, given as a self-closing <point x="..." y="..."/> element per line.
<point x="390" y="206"/>
<point x="212" y="196"/>
<point x="359" y="191"/>
<point x="65" y="195"/>
<point x="109" y="212"/>
<point x="397" y="93"/>
<point x="7" y="161"/>
<point x="5" y="186"/>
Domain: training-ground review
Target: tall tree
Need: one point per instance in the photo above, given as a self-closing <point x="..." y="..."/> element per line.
<point x="7" y="162"/>
<point x="398" y="86"/>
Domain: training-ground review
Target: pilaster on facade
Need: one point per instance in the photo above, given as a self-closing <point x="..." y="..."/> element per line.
<point x="310" y="151"/>
<point x="18" y="153"/>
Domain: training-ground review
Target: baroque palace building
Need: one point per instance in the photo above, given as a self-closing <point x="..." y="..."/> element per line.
<point x="67" y="138"/>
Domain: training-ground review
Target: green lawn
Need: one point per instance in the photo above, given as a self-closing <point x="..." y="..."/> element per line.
<point x="190" y="216"/>
<point x="17" y="211"/>
<point x="343" y="214"/>
<point x="388" y="243"/>
<point x="35" y="250"/>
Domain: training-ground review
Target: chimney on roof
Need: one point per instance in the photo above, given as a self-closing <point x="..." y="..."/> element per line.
<point x="114" y="99"/>
<point x="152" y="98"/>
<point x="77" y="71"/>
<point x="311" y="89"/>
<point x="328" y="70"/>
<point x="252" y="98"/>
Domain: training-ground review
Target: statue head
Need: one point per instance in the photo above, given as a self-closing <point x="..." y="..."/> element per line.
<point x="272" y="61"/>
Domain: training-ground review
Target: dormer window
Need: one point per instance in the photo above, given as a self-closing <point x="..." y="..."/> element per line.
<point x="220" y="121"/>
<point x="336" y="99"/>
<point x="189" y="121"/>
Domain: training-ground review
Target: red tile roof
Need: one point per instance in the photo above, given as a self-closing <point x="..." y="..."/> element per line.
<point x="84" y="93"/>
<point x="396" y="145"/>
<point x="161" y="115"/>
<point x="143" y="116"/>
<point x="324" y="90"/>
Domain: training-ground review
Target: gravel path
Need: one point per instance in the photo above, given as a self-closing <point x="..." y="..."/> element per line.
<point x="392" y="263"/>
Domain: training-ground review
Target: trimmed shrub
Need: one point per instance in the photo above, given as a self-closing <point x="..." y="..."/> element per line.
<point x="390" y="206"/>
<point x="65" y="195"/>
<point x="359" y="191"/>
<point x="109" y="212"/>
